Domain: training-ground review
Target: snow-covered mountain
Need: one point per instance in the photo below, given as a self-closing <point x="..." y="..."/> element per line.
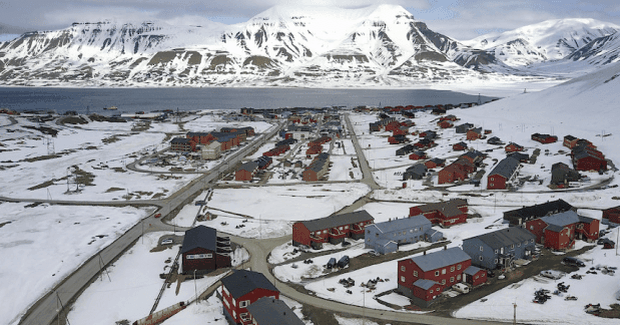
<point x="380" y="45"/>
<point x="311" y="46"/>
<point x="546" y="41"/>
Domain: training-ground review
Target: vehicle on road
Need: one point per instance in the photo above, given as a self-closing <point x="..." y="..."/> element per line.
<point x="158" y="215"/>
<point x="167" y="241"/>
<point x="552" y="274"/>
<point x="572" y="261"/>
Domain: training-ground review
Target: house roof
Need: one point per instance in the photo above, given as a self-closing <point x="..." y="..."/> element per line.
<point x="417" y="168"/>
<point x="540" y="210"/>
<point x="337" y="220"/>
<point x="200" y="237"/>
<point x="403" y="224"/>
<point x="561" y="219"/>
<point x="506" y="167"/>
<point x="504" y="237"/>
<point x="424" y="284"/>
<point x="180" y="141"/>
<point x="449" y="208"/>
<point x="242" y="282"/>
<point x="267" y="311"/>
<point x="439" y="259"/>
<point x="472" y="270"/>
<point x="249" y="166"/>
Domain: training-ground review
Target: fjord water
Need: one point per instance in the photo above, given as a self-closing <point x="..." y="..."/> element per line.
<point x="93" y="100"/>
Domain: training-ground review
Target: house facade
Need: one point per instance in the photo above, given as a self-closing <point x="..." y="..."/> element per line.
<point x="503" y="174"/>
<point x="423" y="277"/>
<point x="333" y="229"/>
<point x="246" y="171"/>
<point x="445" y="214"/>
<point x="559" y="231"/>
<point x="203" y="251"/>
<point x="500" y="248"/>
<point x="385" y="237"/>
<point x="612" y="216"/>
<point x="240" y="290"/>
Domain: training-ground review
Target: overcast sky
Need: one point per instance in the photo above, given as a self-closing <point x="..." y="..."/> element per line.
<point x="460" y="19"/>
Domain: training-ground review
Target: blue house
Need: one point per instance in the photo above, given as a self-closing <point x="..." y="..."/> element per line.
<point x="500" y="248"/>
<point x="385" y="237"/>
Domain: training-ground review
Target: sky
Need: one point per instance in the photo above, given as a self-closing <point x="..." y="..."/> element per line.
<point x="459" y="19"/>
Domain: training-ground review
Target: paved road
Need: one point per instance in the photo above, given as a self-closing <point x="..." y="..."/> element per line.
<point x="259" y="250"/>
<point x="368" y="178"/>
<point x="44" y="311"/>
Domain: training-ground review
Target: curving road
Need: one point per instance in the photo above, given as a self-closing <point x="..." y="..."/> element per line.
<point x="45" y="310"/>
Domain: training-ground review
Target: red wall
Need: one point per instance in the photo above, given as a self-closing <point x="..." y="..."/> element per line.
<point x="410" y="266"/>
<point x="496" y="182"/>
<point x="251" y="296"/>
<point x="200" y="264"/>
<point x="243" y="175"/>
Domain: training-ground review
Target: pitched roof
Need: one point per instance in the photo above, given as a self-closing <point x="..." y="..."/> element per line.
<point x="249" y="166"/>
<point x="440" y="259"/>
<point x="540" y="210"/>
<point x="402" y="224"/>
<point x="267" y="311"/>
<point x="200" y="237"/>
<point x="504" y="237"/>
<point x="449" y="208"/>
<point x="424" y="284"/>
<point x="337" y="220"/>
<point x="472" y="270"/>
<point x="562" y="219"/>
<point x="242" y="282"/>
<point x="506" y="167"/>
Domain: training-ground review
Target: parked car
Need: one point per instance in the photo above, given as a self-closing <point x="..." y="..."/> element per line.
<point x="331" y="263"/>
<point x="167" y="241"/>
<point x="572" y="261"/>
<point x="344" y="261"/>
<point x="373" y="253"/>
<point x="461" y="287"/>
<point x="552" y="274"/>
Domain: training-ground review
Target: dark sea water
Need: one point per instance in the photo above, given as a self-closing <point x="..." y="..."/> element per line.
<point x="130" y="100"/>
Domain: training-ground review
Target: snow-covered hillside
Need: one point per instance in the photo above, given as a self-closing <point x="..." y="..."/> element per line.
<point x="296" y="46"/>
<point x="546" y="41"/>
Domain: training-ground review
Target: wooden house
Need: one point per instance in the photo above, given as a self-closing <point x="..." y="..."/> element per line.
<point x="504" y="173"/>
<point x="500" y="248"/>
<point x="417" y="155"/>
<point x="333" y="229"/>
<point x="612" y="216"/>
<point x="270" y="311"/>
<point x="182" y="145"/>
<point x="240" y="290"/>
<point x="445" y="214"/>
<point x="423" y="277"/>
<point x="459" y="146"/>
<point x="246" y="171"/>
<point x="434" y="163"/>
<point x="512" y="147"/>
<point x="520" y="216"/>
<point x="317" y="168"/>
<point x="559" y="231"/>
<point x="475" y="276"/>
<point x="203" y="251"/>
<point x="474" y="134"/>
<point x="385" y="237"/>
<point x="544" y="138"/>
<point x="451" y="173"/>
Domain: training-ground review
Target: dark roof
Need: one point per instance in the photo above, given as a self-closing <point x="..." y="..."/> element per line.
<point x="537" y="211"/>
<point x="242" y="282"/>
<point x="505" y="237"/>
<point x="200" y="237"/>
<point x="439" y="259"/>
<point x="337" y="220"/>
<point x="180" y="141"/>
<point x="249" y="166"/>
<point x="271" y="311"/>
<point x="449" y="208"/>
<point x="472" y="270"/>
<point x="506" y="167"/>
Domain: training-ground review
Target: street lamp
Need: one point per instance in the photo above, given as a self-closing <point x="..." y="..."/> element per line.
<point x="195" y="290"/>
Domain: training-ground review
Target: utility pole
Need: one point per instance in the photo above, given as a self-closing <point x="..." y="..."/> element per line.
<point x="514" y="319"/>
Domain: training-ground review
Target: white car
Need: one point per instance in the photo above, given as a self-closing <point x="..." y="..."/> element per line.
<point x="167" y="241"/>
<point x="552" y="274"/>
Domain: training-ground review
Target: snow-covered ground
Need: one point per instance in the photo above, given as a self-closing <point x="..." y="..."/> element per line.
<point x="42" y="244"/>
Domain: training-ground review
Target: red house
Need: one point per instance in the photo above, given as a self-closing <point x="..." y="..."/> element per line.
<point x="203" y="251"/>
<point x="451" y="174"/>
<point x="559" y="231"/>
<point x="586" y="158"/>
<point x="241" y="289"/>
<point x="503" y="173"/>
<point x="474" y="134"/>
<point x="512" y="147"/>
<point x="444" y="214"/>
<point x="459" y="146"/>
<point x="544" y="138"/>
<point x="445" y="124"/>
<point x="435" y="162"/>
<point x="417" y="155"/>
<point x="333" y="229"/>
<point x="612" y="215"/>
<point x="422" y="278"/>
<point x="475" y="276"/>
<point x="246" y="171"/>
<point x="570" y="141"/>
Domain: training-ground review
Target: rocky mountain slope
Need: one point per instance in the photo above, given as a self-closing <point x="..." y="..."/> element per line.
<point x="312" y="47"/>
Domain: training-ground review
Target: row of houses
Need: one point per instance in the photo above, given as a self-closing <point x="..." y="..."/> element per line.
<point x="317" y="169"/>
<point x="211" y="144"/>
<point x="247" y="170"/>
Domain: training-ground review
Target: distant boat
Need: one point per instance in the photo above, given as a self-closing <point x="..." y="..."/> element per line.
<point x="111" y="108"/>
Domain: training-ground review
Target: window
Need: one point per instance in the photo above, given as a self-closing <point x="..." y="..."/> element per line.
<point x="452" y="269"/>
<point x="480" y="258"/>
<point x="443" y="271"/>
<point x="512" y="246"/>
<point x="496" y="251"/>
<point x="415" y="274"/>
<point x="481" y="249"/>
<point x="495" y="261"/>
<point x="244" y="303"/>
<point x="531" y="227"/>
<point x="458" y="277"/>
<point x="199" y="256"/>
<point x="340" y="228"/>
<point x="346" y="227"/>
<point x="436" y="273"/>
<point x="443" y="281"/>
<point x="402" y="279"/>
<point x="402" y="268"/>
<point x="451" y="279"/>
<point x="525" y="242"/>
<point x="458" y="266"/>
<point x="245" y="316"/>
<point x="324" y="231"/>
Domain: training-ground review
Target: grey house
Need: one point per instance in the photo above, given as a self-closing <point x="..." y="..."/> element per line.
<point x="500" y="248"/>
<point x="463" y="128"/>
<point x="417" y="171"/>
<point x="385" y="237"/>
<point x="269" y="311"/>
